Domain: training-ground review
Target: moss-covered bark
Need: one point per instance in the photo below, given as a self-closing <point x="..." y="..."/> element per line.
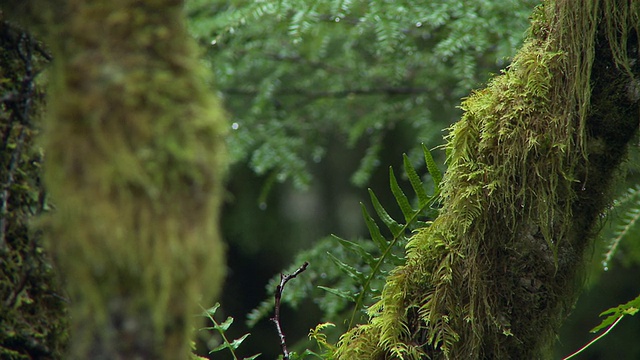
<point x="530" y="165"/>
<point x="134" y="165"/>
<point x="32" y="307"/>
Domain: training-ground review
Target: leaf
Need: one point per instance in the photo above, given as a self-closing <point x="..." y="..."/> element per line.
<point x="219" y="348"/>
<point x="349" y="270"/>
<point x="374" y="230"/>
<point x="341" y="293"/>
<point x="225" y="325"/>
<point x="395" y="228"/>
<point x="356" y="248"/>
<point x="237" y="342"/>
<point x="401" y="198"/>
<point x="415" y="181"/>
<point x="432" y="167"/>
<point x="629" y="308"/>
<point x="212" y="310"/>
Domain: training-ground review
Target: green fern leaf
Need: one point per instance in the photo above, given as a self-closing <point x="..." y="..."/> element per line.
<point x="225" y="325"/>
<point x="629" y="308"/>
<point x="416" y="182"/>
<point x="374" y="230"/>
<point x="349" y="270"/>
<point x="395" y="228"/>
<point x="432" y="167"/>
<point x="366" y="256"/>
<point x="401" y="198"/>
<point x="341" y="293"/>
<point x="627" y="224"/>
<point x="235" y="344"/>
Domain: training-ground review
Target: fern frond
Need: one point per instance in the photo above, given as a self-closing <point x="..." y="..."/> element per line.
<point x="626" y="225"/>
<point x="398" y="230"/>
<point x="222" y="328"/>
<point x="630" y="308"/>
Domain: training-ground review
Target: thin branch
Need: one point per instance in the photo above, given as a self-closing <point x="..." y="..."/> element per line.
<point x="276" y="318"/>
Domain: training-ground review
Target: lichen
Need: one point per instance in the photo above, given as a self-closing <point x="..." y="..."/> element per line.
<point x="499" y="269"/>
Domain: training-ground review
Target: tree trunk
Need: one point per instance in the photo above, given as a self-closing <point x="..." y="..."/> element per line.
<point x="134" y="165"/>
<point x="529" y="169"/>
<point x="32" y="307"/>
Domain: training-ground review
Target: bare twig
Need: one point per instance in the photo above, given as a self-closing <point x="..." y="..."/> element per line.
<point x="276" y="318"/>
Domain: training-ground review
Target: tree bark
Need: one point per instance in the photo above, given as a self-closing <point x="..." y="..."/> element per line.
<point x="32" y="305"/>
<point x="529" y="169"/>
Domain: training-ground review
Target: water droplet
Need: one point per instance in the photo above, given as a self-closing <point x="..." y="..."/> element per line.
<point x="263" y="206"/>
<point x="606" y="268"/>
<point x="323" y="275"/>
<point x="418" y="24"/>
<point x="214" y="41"/>
<point x="235" y="126"/>
<point x="337" y="19"/>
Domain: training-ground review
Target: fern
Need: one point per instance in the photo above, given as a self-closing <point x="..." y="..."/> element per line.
<point x="626" y="225"/>
<point x="398" y="230"/>
<point x="221" y="328"/>
<point x="365" y="263"/>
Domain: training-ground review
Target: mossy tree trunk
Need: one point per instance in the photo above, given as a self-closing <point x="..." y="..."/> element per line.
<point x="530" y="165"/>
<point x="32" y="306"/>
<point x="134" y="165"/>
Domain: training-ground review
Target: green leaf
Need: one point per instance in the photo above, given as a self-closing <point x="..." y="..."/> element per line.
<point x="219" y="348"/>
<point x="237" y="342"/>
<point x="349" y="270"/>
<point x="395" y="228"/>
<point x="432" y="167"/>
<point x="629" y="308"/>
<point x="212" y="310"/>
<point x="356" y="248"/>
<point x="225" y="325"/>
<point x="416" y="182"/>
<point x="374" y="230"/>
<point x="401" y="198"/>
<point x="341" y="293"/>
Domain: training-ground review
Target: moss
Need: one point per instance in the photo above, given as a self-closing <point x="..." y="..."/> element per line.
<point x="496" y="274"/>
<point x="32" y="307"/>
<point x="135" y="162"/>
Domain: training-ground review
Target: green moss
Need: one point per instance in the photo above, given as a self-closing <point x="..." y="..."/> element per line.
<point x="135" y="162"/>
<point x="32" y="307"/>
<point x="495" y="275"/>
